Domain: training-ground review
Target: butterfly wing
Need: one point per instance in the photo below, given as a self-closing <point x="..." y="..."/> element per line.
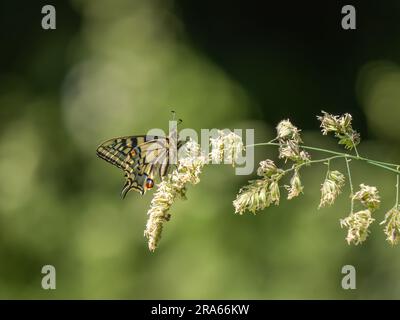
<point x="141" y="157"/>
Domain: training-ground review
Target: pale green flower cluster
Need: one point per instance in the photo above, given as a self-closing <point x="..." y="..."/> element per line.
<point x="260" y="193"/>
<point x="358" y="222"/>
<point x="287" y="131"/>
<point x="368" y="196"/>
<point x="331" y="188"/>
<point x="392" y="228"/>
<point x="226" y="147"/>
<point x="172" y="187"/>
<point x="295" y="188"/>
<point x="263" y="192"/>
<point x="289" y="139"/>
<point x="341" y="127"/>
<point x="289" y="143"/>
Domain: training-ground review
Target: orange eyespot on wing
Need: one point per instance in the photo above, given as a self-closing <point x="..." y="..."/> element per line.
<point x="149" y="183"/>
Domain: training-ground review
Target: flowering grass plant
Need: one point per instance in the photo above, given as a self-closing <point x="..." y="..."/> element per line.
<point x="265" y="191"/>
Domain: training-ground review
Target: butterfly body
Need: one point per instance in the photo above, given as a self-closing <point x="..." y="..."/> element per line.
<point x="142" y="158"/>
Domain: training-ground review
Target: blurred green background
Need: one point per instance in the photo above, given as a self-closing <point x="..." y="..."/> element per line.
<point x="115" y="68"/>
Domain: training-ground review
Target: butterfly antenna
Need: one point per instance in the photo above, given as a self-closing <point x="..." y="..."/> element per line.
<point x="180" y="121"/>
<point x="173" y="114"/>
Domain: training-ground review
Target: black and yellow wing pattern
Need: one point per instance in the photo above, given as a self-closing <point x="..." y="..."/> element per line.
<point x="142" y="158"/>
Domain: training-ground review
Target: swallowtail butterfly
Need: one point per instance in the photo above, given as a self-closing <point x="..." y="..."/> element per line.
<point x="142" y="158"/>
